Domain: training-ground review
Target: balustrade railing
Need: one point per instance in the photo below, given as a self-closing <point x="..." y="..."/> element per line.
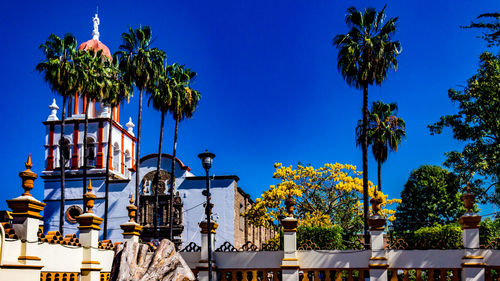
<point x="351" y="274"/>
<point x="249" y="275"/>
<point x="422" y="274"/>
<point x="59" y="276"/>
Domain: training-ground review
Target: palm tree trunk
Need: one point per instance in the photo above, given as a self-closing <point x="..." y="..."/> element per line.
<point x="157" y="177"/>
<point x="172" y="185"/>
<point x="61" y="164"/>
<point x="137" y="155"/>
<point x="365" y="166"/>
<point x="106" y="195"/>
<point x="379" y="175"/>
<point x="85" y="156"/>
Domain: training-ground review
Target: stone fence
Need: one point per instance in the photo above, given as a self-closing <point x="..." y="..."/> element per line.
<point x="28" y="254"/>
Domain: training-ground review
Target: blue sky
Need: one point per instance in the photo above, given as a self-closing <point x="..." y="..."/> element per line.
<point x="267" y="74"/>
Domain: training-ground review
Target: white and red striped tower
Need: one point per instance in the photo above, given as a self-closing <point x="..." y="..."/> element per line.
<point x="121" y="157"/>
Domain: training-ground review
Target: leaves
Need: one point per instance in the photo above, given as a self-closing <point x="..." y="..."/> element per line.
<point x="59" y="68"/>
<point x="324" y="197"/>
<point x="367" y="51"/>
<point x="431" y="195"/>
<point x="478" y="125"/>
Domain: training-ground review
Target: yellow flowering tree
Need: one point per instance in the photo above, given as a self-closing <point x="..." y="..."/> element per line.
<point x="327" y="196"/>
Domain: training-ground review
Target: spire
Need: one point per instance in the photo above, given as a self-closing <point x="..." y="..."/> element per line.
<point x="95" y="32"/>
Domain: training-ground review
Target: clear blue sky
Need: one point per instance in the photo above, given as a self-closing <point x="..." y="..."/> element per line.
<point x="267" y="74"/>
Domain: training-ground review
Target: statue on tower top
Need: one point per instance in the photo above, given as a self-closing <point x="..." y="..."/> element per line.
<point x="95" y="32"/>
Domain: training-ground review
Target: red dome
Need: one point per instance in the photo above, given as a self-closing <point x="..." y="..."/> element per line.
<point x="96" y="45"/>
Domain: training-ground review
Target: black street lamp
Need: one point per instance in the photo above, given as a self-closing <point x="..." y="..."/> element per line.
<point x="280" y="218"/>
<point x="206" y="160"/>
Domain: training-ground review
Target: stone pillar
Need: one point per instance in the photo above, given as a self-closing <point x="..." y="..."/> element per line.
<point x="378" y="261"/>
<point x="473" y="265"/>
<point x="89" y="238"/>
<point x="290" y="263"/>
<point x="26" y="220"/>
<point x="203" y="264"/>
<point x="131" y="229"/>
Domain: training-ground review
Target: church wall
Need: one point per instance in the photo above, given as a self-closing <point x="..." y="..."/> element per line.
<point x="118" y="198"/>
<point x="222" y="191"/>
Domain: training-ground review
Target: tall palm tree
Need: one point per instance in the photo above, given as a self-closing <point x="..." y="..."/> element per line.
<point x="58" y="68"/>
<point x="141" y="65"/>
<point x="365" y="55"/>
<point x="183" y="103"/>
<point x="161" y="97"/>
<point x="385" y="132"/>
<point x="92" y="66"/>
<point x="117" y="89"/>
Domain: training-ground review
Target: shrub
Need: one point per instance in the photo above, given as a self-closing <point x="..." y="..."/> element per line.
<point x="439" y="237"/>
<point x="326" y="238"/>
<point x="433" y="237"/>
<point x="489" y="230"/>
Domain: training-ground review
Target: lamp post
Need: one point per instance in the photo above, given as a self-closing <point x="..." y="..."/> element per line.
<point x="206" y="160"/>
<point x="280" y="218"/>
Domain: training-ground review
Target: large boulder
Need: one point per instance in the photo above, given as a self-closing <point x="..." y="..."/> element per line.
<point x="136" y="262"/>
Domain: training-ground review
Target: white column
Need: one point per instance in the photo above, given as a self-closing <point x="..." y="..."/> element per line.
<point x="203" y="263"/>
<point x="26" y="220"/>
<point x="290" y="263"/>
<point x="378" y="261"/>
<point x="89" y="238"/>
<point x="473" y="265"/>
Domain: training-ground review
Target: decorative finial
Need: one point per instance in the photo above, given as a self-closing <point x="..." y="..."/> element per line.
<point x="289" y="203"/>
<point x="376" y="201"/>
<point x="131" y="209"/>
<point x="95" y="32"/>
<point x="469" y="199"/>
<point x="130" y="126"/>
<point x="28" y="177"/>
<point x="53" y="111"/>
<point x="89" y="198"/>
<point x="28" y="163"/>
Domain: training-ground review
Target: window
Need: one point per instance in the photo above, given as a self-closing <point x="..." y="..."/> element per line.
<point x="90" y="153"/>
<point x="116" y="158"/>
<point x="73" y="212"/>
<point x="128" y="164"/>
<point x="65" y="148"/>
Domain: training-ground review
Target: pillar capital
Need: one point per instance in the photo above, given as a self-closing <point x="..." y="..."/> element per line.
<point x="469" y="221"/>
<point x="204" y="227"/>
<point x="289" y="224"/>
<point x="376" y="223"/>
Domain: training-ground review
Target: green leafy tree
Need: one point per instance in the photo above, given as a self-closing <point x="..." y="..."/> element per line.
<point x="141" y="65"/>
<point x="491" y="23"/>
<point x="431" y="195"/>
<point x="161" y="98"/>
<point x="477" y="123"/>
<point x="93" y="76"/>
<point x="183" y="104"/>
<point x="385" y="132"/>
<point x="366" y="53"/>
<point x="58" y="68"/>
<point x="116" y="91"/>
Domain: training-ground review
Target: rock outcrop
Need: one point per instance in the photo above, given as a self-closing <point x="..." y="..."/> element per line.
<point x="135" y="262"/>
